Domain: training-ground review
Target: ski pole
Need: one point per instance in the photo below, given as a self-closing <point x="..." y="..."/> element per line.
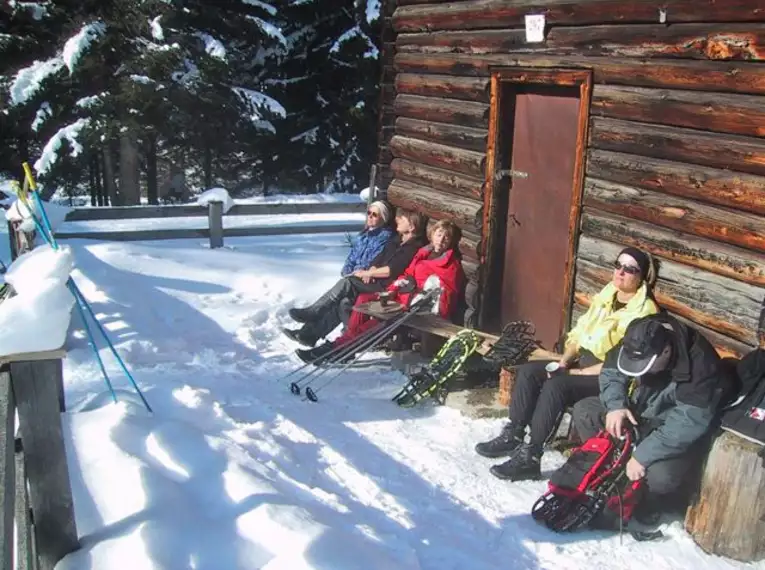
<point x="311" y="394"/>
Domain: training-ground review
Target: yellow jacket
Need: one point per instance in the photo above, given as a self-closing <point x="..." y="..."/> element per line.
<point x="600" y="328"/>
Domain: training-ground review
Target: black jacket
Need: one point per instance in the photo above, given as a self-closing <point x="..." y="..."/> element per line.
<point x="397" y="257"/>
<point x="676" y="406"/>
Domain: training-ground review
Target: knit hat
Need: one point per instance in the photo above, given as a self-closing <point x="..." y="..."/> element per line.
<point x="640" y="257"/>
<point x="383" y="209"/>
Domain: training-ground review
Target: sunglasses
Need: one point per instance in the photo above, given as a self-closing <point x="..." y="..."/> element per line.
<point x="372" y="214"/>
<point x="628" y="269"/>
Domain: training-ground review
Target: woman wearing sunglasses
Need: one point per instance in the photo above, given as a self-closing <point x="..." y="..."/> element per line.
<point x="542" y="393"/>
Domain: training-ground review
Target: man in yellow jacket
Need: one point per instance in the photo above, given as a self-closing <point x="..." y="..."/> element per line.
<point x="543" y="390"/>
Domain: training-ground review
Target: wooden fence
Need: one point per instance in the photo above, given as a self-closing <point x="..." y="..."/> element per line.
<point x="216" y="230"/>
<point x="36" y="494"/>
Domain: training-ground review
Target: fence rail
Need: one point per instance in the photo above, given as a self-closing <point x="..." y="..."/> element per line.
<point x="215" y="231"/>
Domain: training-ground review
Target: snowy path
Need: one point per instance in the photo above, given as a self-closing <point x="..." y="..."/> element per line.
<point x="233" y="472"/>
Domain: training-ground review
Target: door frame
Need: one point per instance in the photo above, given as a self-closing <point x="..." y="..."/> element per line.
<point x="497" y="144"/>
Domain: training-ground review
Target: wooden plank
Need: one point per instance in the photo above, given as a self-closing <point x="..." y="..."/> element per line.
<point x="37" y="399"/>
<point x="196" y="210"/>
<point x="215" y="221"/>
<point x="25" y="549"/>
<point x="437" y="178"/>
<point x="724" y="305"/>
<point x="439" y="110"/>
<point x="681" y="214"/>
<point x="717" y="76"/>
<point x="444" y="86"/>
<point x="204" y="233"/>
<point x="724" y="260"/>
<point x="719" y="112"/>
<point x="470" y="246"/>
<point x="716" y="186"/>
<point x="442" y="133"/>
<point x="7" y="470"/>
<point x="465" y="162"/>
<point x="739" y="153"/>
<point x="503" y="14"/>
<point x="745" y="42"/>
<point x="462" y="211"/>
<point x="33" y="356"/>
<point x="724" y="518"/>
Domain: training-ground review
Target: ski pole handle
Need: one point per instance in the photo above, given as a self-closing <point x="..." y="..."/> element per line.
<point x="29" y="176"/>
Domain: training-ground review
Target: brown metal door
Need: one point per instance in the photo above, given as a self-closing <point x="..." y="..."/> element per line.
<point x="539" y="207"/>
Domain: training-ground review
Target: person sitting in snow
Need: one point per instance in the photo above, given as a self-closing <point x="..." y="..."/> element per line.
<point x="539" y="398"/>
<point x="668" y="380"/>
<point x="334" y="307"/>
<point x="441" y="258"/>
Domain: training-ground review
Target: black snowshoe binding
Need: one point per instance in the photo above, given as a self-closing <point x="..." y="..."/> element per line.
<point x="514" y="346"/>
<point x="431" y="380"/>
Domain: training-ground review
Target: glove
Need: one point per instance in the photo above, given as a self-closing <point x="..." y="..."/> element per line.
<point x="405" y="284"/>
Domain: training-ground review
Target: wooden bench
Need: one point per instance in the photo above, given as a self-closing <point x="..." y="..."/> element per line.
<point x="435" y="325"/>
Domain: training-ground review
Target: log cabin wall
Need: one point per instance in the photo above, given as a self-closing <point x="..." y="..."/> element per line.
<point x="675" y="160"/>
<point x="387" y="99"/>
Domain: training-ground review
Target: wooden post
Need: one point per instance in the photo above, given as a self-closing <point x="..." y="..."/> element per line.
<point x="506" y="381"/>
<point x="36" y="391"/>
<point x="25" y="551"/>
<point x="7" y="470"/>
<point x="725" y="518"/>
<point x="215" y="217"/>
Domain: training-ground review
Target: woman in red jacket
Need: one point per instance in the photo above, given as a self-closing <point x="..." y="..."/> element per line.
<point x="441" y="258"/>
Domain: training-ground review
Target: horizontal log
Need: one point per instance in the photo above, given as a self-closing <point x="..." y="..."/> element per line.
<point x="718" y="76"/>
<point x="502" y="14"/>
<point x="722" y="113"/>
<point x="437" y="205"/>
<point x="744" y="42"/>
<point x="446" y="86"/>
<point x="471" y="270"/>
<point x="451" y="111"/>
<point x="742" y="154"/>
<point x="728" y="226"/>
<point x="722" y="187"/>
<point x="725" y="260"/>
<point x="442" y="180"/>
<point x="724" y="305"/>
<point x="442" y="133"/>
<point x="441" y="156"/>
<point x="725" y="346"/>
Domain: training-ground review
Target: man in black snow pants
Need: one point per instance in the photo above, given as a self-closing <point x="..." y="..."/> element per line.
<point x="667" y="379"/>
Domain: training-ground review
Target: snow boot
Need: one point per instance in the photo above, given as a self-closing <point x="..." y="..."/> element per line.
<point x="504" y="444"/>
<point x="311" y="355"/>
<point x="305" y="315"/>
<point x="524" y="464"/>
<point x="300" y="336"/>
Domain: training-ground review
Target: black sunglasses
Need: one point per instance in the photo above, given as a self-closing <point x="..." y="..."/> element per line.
<point x="373" y="214"/>
<point x="628" y="269"/>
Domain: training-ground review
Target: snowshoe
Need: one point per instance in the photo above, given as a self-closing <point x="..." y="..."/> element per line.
<point x="431" y="380"/>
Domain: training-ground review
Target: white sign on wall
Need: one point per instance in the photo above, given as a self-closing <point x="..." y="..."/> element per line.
<point x="535" y="27"/>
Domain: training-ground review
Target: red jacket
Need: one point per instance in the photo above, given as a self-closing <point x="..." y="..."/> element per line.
<point x="447" y="267"/>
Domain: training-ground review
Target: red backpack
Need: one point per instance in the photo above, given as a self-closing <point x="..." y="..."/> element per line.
<point x="591" y="489"/>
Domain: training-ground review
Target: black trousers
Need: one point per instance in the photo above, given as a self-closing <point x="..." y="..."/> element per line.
<point x="663" y="477"/>
<point x="334" y="307"/>
<point x="539" y="401"/>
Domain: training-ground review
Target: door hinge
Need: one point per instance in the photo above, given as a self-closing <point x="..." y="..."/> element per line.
<point x="511" y="173"/>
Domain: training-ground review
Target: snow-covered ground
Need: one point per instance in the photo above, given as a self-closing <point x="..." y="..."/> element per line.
<point x="231" y="471"/>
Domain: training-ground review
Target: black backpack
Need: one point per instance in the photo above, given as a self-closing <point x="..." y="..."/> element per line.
<point x="745" y="416"/>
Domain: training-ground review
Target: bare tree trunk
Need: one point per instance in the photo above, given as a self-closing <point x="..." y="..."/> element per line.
<point x="99" y="189"/>
<point x="115" y="196"/>
<point x="129" y="170"/>
<point x="92" y="174"/>
<point x="152" y="192"/>
<point x="208" y="166"/>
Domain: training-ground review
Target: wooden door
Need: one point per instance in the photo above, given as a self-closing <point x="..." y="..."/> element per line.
<point x="537" y="242"/>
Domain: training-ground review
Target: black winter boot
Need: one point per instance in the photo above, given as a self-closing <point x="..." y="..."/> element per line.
<point x="300" y="336"/>
<point x="311" y="355"/>
<point x="305" y="315"/>
<point x="524" y="464"/>
<point x="504" y="444"/>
